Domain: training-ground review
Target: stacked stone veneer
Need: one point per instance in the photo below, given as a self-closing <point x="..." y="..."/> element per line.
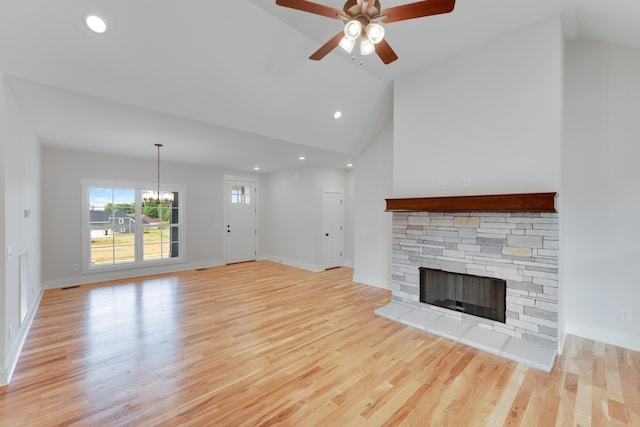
<point x="521" y="248"/>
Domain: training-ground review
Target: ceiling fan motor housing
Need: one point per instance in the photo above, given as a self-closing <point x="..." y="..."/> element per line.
<point x="354" y="9"/>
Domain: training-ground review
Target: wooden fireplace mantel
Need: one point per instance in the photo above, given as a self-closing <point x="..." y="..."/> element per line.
<point x="527" y="202"/>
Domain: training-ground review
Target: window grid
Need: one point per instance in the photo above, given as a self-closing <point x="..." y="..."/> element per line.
<point x="240" y="195"/>
<point x="125" y="230"/>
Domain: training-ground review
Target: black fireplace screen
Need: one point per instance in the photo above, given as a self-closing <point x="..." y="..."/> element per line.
<point x="479" y="296"/>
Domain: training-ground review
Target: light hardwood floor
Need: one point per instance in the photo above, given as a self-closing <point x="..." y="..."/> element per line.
<point x="262" y="344"/>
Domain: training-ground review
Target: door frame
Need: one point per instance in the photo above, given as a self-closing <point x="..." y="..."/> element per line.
<point x="339" y="191"/>
<point x="225" y="206"/>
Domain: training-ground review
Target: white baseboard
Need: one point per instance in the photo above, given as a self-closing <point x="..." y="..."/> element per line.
<point x="608" y="336"/>
<point x="292" y="263"/>
<point x="371" y="281"/>
<point x="125" y="274"/>
<point x="16" y="349"/>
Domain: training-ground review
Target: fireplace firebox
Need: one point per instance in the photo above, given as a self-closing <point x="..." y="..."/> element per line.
<point x="479" y="296"/>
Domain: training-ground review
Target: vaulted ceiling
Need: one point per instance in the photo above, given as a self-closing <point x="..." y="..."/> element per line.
<point x="228" y="83"/>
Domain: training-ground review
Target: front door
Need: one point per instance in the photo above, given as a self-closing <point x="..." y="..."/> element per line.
<point x="240" y="219"/>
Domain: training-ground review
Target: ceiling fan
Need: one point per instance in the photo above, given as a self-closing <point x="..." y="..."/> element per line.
<point x="362" y="20"/>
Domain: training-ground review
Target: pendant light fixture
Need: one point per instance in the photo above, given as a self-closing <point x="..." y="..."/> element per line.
<point x="157" y="197"/>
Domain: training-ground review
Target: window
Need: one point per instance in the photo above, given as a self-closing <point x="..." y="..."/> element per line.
<point x="124" y="228"/>
<point x="160" y="228"/>
<point x="241" y="195"/>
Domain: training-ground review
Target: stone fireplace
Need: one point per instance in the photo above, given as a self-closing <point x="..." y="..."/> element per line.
<point x="512" y="238"/>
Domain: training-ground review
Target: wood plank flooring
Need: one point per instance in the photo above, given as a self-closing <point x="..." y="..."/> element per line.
<point x="261" y="344"/>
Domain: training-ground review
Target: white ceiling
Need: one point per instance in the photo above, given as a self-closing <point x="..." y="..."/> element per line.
<point x="228" y="83"/>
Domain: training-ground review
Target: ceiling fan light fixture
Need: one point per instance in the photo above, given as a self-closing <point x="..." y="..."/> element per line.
<point x="375" y="32"/>
<point x="347" y="44"/>
<point x="366" y="47"/>
<point x="353" y="29"/>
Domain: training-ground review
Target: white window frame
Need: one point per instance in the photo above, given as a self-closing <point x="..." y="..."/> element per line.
<point x="139" y="188"/>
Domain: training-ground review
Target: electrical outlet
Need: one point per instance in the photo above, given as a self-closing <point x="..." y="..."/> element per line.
<point x="76" y="267"/>
<point x="625" y="315"/>
<point x="10" y="332"/>
<point x="442" y="184"/>
<point x="466" y="182"/>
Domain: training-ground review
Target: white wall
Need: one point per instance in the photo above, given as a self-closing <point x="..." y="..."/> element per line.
<point x="492" y="114"/>
<point x="373" y="184"/>
<point x="20" y="171"/>
<point x="601" y="192"/>
<point x="349" y="214"/>
<point x="3" y="279"/>
<point x="292" y="207"/>
<point x="62" y="171"/>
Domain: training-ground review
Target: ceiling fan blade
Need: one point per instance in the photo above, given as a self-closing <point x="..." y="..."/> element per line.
<point x="327" y="47"/>
<point x="307" y="6"/>
<point x="384" y="51"/>
<point x="417" y="10"/>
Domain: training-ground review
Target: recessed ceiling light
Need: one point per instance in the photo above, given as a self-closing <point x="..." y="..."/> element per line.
<point x="337" y="115"/>
<point x="256" y="168"/>
<point x="349" y="165"/>
<point x="95" y="24"/>
<point x="302" y="158"/>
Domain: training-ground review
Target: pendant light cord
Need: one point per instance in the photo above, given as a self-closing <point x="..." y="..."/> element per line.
<point x="158" y="193"/>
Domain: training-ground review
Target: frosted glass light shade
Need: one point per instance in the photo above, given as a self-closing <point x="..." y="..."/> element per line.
<point x="375" y="33"/>
<point x="167" y="196"/>
<point x="353" y="29"/>
<point x="366" y="47"/>
<point x="347" y="44"/>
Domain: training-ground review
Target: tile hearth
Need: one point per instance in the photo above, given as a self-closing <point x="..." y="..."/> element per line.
<point x="529" y="353"/>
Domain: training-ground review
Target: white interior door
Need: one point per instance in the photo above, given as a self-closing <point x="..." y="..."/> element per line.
<point x="240" y="220"/>
<point x="332" y="224"/>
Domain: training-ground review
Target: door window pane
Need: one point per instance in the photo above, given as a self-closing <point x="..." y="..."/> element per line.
<point x="241" y="194"/>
